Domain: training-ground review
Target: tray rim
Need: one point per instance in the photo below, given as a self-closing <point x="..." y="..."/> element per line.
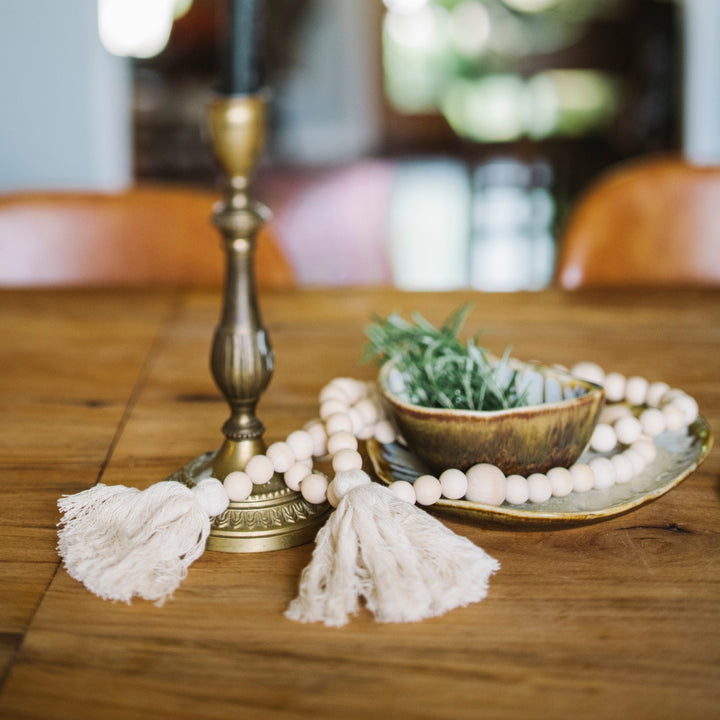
<point x="510" y="515"/>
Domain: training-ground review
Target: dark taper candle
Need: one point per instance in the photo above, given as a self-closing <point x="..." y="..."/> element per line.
<point x="241" y="69"/>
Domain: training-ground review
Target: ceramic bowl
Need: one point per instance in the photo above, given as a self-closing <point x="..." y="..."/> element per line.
<point x="553" y="430"/>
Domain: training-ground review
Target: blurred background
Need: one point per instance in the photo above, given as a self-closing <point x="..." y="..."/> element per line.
<point x="432" y="144"/>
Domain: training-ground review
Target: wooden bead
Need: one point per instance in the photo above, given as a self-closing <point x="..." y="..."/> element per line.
<point x="338" y="422"/>
<point x="610" y="414"/>
<point x="296" y="474"/>
<point x="637" y="460"/>
<point x="403" y="490"/>
<point x="604" y="473"/>
<point x="674" y="417"/>
<point x="646" y="448"/>
<point x="636" y="390"/>
<point x="367" y="410"/>
<point x="260" y="469"/>
<point x="353" y="389"/>
<point x="357" y="421"/>
<point x="652" y="421"/>
<point x="316" y="429"/>
<point x="238" y="485"/>
<point x="332" y="407"/>
<point x="560" y="480"/>
<point x="603" y="438"/>
<point x="688" y="406"/>
<point x="582" y="477"/>
<point x="627" y="429"/>
<point x="301" y="443"/>
<point x="281" y="456"/>
<point x="655" y="393"/>
<point x="341" y="441"/>
<point x="453" y="483"/>
<point x="427" y="490"/>
<point x="211" y="496"/>
<point x="615" y="387"/>
<point x="365" y="432"/>
<point x="589" y="371"/>
<point x="486" y="484"/>
<point x="539" y="488"/>
<point x="333" y="392"/>
<point x="623" y="468"/>
<point x="517" y="491"/>
<point x="384" y="432"/>
<point x="347" y="459"/>
<point x="332" y="497"/>
<point x="314" y="488"/>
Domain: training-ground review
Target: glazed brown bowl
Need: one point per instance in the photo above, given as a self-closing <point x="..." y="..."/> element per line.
<point x="553" y="431"/>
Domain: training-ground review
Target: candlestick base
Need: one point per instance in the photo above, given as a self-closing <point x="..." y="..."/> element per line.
<point x="272" y="518"/>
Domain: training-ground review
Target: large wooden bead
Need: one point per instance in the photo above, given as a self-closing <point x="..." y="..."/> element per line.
<point x="486" y="484"/>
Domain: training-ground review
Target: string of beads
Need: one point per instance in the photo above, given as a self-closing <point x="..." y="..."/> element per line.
<point x="351" y="410"/>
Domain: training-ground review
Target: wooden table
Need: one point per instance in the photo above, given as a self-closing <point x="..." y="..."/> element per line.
<point x="613" y="620"/>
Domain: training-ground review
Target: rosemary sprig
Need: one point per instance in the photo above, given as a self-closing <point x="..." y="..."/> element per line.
<point x="438" y="369"/>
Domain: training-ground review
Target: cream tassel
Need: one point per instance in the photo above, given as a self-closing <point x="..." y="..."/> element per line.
<point x="121" y="542"/>
<point x="406" y="565"/>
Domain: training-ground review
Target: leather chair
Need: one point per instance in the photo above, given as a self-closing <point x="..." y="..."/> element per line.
<point x="652" y="221"/>
<point x="145" y="235"/>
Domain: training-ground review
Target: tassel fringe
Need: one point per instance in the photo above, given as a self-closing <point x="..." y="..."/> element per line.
<point x="121" y="542"/>
<point x="405" y="564"/>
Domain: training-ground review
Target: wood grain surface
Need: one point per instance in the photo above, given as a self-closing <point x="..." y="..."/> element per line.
<point x="613" y="620"/>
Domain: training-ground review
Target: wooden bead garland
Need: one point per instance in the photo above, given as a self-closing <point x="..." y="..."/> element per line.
<point x="351" y="410"/>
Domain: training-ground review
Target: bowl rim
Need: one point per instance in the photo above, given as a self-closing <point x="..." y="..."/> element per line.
<point x="592" y="390"/>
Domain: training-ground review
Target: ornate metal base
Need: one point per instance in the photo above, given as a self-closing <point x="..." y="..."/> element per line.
<point x="272" y="518"/>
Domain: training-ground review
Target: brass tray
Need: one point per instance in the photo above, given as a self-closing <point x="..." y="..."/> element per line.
<point x="679" y="454"/>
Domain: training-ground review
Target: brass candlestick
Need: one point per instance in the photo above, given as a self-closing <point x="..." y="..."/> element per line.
<point x="273" y="517"/>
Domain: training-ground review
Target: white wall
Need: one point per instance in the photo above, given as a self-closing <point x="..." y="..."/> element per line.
<point x="701" y="94"/>
<point x="65" y="103"/>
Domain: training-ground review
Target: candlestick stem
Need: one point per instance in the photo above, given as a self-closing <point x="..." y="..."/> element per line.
<point x="241" y="361"/>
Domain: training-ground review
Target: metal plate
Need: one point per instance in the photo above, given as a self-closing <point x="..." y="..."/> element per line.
<point x="679" y="454"/>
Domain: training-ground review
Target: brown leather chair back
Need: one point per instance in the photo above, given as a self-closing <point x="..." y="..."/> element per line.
<point x="146" y="235"/>
<point x="654" y="221"/>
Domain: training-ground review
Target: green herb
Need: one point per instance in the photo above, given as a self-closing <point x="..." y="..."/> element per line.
<point x="438" y="369"/>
